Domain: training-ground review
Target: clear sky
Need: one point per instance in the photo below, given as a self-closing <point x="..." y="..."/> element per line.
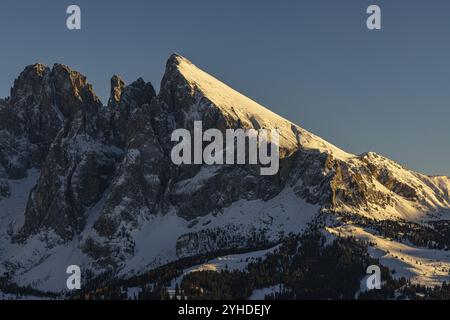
<point x="313" y="61"/>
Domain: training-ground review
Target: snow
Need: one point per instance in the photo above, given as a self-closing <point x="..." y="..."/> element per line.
<point x="259" y="294"/>
<point x="49" y="273"/>
<point x="14" y="205"/>
<point x="155" y="242"/>
<point x="431" y="203"/>
<point x="193" y="184"/>
<point x="156" y="239"/>
<point x="286" y="212"/>
<point x="9" y="296"/>
<point x="94" y="214"/>
<point x="40" y="264"/>
<point x="12" y="208"/>
<point x="133" y="293"/>
<point x="433" y="191"/>
<point x="422" y="265"/>
<point x="235" y="105"/>
<point x="43" y="264"/>
<point x="232" y="262"/>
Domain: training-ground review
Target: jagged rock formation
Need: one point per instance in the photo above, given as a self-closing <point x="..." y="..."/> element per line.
<point x="108" y="191"/>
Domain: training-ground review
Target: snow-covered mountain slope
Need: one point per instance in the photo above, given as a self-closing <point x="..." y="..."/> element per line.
<point x="94" y="186"/>
<point x="230" y="262"/>
<point x="234" y="105"/>
<point x="407" y="194"/>
<point x="421" y="265"/>
<point x="387" y="189"/>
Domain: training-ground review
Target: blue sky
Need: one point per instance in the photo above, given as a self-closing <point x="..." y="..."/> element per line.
<point x="313" y="62"/>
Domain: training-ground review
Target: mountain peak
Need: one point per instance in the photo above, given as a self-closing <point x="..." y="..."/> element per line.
<point x="29" y="81"/>
<point x="62" y="73"/>
<point x="37" y="68"/>
<point x="102" y="183"/>
<point x="117" y="85"/>
<point x="173" y="65"/>
<point x="175" y="59"/>
<point x="236" y="108"/>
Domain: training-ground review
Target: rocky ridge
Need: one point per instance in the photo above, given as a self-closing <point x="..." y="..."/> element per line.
<point x="107" y="188"/>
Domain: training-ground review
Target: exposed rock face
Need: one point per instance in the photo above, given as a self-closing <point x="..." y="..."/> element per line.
<point x="180" y="103"/>
<point x="84" y="156"/>
<point x="117" y="85"/>
<point x="79" y="162"/>
<point x="132" y="98"/>
<point x="139" y="179"/>
<point x="28" y="122"/>
<point x="146" y="182"/>
<point x="41" y="101"/>
<point x="105" y="171"/>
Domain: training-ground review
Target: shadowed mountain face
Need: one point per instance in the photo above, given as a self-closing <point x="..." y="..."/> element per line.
<point x="93" y="185"/>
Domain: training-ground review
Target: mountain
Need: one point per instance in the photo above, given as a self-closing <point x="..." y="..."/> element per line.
<point x="92" y="185"/>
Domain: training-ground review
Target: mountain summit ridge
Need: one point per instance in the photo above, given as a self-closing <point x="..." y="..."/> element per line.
<point x="93" y="185"/>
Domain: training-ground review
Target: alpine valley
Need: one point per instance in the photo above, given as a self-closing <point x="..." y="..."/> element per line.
<point x="87" y="184"/>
